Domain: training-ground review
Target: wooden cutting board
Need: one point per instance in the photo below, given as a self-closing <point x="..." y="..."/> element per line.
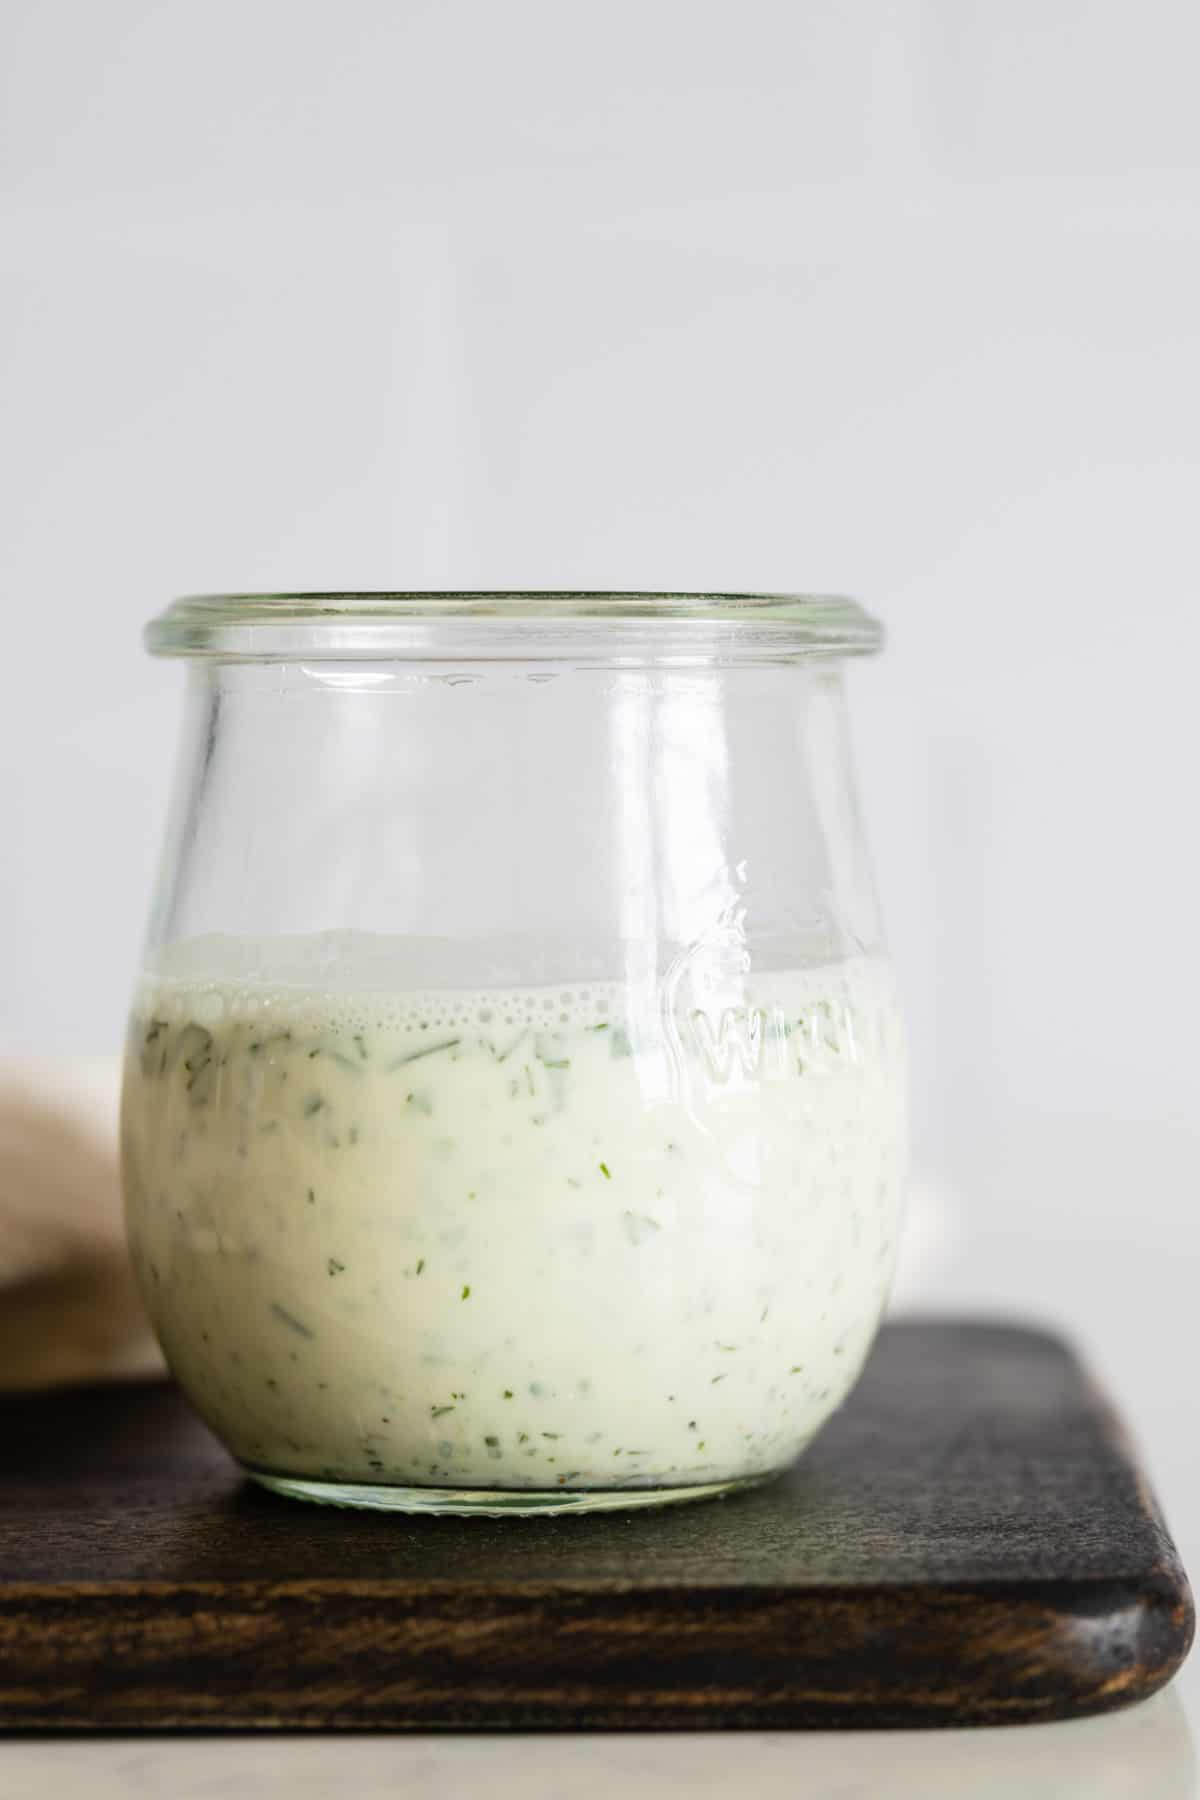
<point x="968" y="1542"/>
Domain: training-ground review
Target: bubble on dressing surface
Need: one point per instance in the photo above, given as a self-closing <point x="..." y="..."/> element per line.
<point x="218" y="978"/>
<point x="340" y="983"/>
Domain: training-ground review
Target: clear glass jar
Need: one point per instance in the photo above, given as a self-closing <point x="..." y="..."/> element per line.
<point x="515" y="1101"/>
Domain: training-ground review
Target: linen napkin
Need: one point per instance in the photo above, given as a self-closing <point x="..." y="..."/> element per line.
<point x="69" y="1310"/>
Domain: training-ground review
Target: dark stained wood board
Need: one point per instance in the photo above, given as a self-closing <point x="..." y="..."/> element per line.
<point x="968" y="1542"/>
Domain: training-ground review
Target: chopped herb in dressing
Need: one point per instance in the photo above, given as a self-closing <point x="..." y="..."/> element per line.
<point x="291" y="1321"/>
<point x="412" y="1056"/>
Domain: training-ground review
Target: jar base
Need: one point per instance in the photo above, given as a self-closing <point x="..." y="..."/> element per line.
<point x="495" y="1503"/>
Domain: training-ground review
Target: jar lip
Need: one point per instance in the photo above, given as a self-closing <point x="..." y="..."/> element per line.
<point x="508" y="623"/>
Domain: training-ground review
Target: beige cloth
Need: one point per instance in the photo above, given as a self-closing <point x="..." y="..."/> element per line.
<point x="69" y="1309"/>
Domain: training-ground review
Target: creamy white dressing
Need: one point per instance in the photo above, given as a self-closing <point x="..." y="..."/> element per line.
<point x="515" y="1239"/>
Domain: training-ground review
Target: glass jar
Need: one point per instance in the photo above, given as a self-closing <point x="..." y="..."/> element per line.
<point x="514" y="1115"/>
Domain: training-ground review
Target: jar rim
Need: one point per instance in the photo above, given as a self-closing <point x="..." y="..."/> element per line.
<point x="511" y="623"/>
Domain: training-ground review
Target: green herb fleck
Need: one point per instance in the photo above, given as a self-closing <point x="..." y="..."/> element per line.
<point x="605" y="1171"/>
<point x="360" y="1045"/>
<point x="291" y="1321"/>
<point x="335" y="1267"/>
<point x="343" y="1062"/>
<point x="313" y="1105"/>
<point x="420" y="1265"/>
<point x="437" y="1411"/>
<point x="491" y="1442"/>
<point x="466" y="1293"/>
<point x="401" y="1062"/>
<point x="508" y="1393"/>
<point x="312" y="1196"/>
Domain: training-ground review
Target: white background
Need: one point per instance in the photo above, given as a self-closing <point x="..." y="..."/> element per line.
<point x="896" y="298"/>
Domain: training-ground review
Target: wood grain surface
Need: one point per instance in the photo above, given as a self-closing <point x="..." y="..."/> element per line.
<point x="968" y="1542"/>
